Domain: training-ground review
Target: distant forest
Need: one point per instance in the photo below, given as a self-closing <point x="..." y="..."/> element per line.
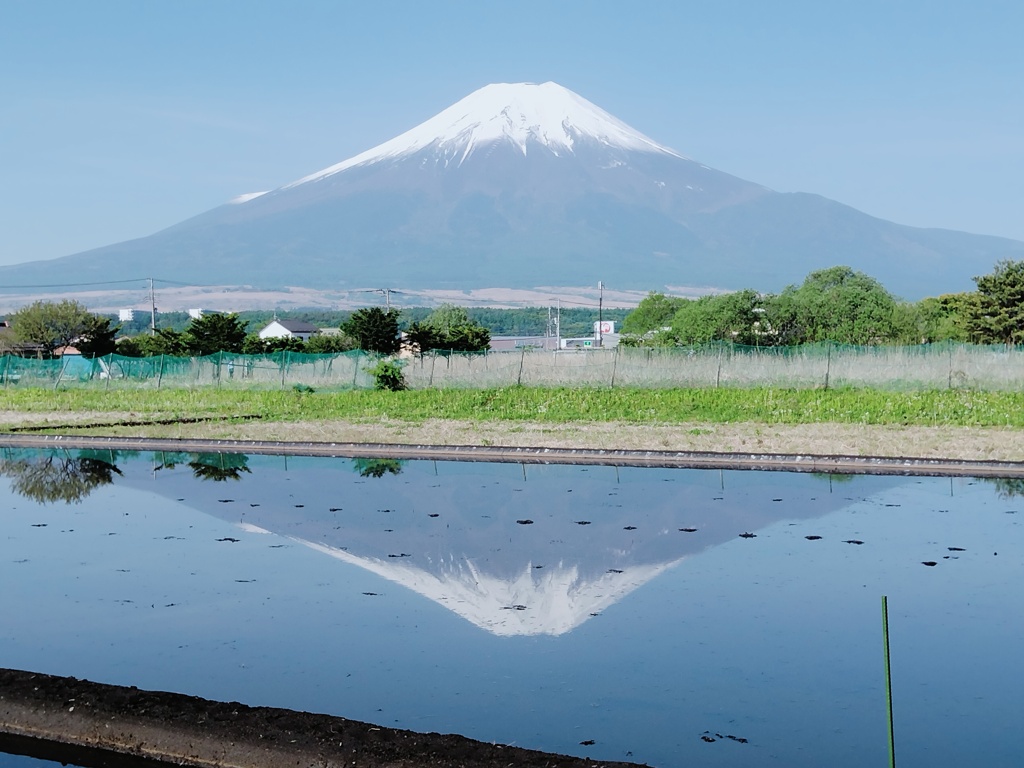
<point x="530" y="321"/>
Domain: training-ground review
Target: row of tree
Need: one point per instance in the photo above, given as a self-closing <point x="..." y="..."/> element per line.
<point x="837" y="304"/>
<point x="46" y="327"/>
<point x="840" y="305"/>
<point x="500" y="321"/>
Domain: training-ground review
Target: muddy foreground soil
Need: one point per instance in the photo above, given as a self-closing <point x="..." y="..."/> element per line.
<point x="186" y="730"/>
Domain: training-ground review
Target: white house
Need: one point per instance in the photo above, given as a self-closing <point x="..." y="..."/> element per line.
<point x="283" y="329"/>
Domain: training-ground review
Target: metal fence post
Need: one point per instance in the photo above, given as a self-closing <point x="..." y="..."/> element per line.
<point x="828" y="362"/>
<point x="522" y="359"/>
<point x="63" y="365"/>
<point x="615" y="365"/>
<point x="160" y="374"/>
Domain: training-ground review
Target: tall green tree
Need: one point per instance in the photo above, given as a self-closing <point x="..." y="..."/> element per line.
<point x="997" y="317"/>
<point x="653" y="313"/>
<point x="732" y="317"/>
<point x="449" y="328"/>
<point x="836" y="304"/>
<point x="214" y="333"/>
<point x="51" y="324"/>
<point x="374" y="329"/>
<point x="98" y="337"/>
<point x="944" y="318"/>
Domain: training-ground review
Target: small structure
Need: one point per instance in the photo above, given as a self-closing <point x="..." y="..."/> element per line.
<point x="285" y="329"/>
<point x="508" y="343"/>
<point x="196" y="313"/>
<point x="585" y="342"/>
<point x="125" y="315"/>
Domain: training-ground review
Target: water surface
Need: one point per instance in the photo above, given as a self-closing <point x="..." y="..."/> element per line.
<point x="539" y="605"/>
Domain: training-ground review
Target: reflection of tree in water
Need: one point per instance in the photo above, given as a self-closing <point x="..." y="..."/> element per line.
<point x="1007" y="487"/>
<point x="220" y="466"/>
<point x="377" y="467"/>
<point x="58" y="476"/>
<point x="832" y="477"/>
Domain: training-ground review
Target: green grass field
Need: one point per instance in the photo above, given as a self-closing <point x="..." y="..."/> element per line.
<point x="556" y="405"/>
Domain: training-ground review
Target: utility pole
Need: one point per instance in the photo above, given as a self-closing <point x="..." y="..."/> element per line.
<point x="558" y="324"/>
<point x="600" y="314"/>
<point x="152" y="308"/>
<point x="386" y="292"/>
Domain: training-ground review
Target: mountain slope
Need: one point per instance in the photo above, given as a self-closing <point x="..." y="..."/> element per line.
<point x="520" y="185"/>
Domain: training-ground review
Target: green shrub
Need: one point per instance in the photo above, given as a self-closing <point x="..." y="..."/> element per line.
<point x="387" y="374"/>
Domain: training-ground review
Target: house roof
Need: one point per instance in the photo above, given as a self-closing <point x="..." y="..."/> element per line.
<point x="295" y="326"/>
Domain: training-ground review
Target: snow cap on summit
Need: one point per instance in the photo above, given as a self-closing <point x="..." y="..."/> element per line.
<point x="522" y="114"/>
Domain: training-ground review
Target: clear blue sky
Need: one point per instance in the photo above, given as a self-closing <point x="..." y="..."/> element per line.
<point x="119" y="118"/>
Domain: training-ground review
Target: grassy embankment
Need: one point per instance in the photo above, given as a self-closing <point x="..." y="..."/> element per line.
<point x="950" y="408"/>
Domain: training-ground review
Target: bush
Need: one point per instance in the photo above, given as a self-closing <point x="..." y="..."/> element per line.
<point x="387" y="375"/>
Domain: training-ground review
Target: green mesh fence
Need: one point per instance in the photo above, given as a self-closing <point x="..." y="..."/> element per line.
<point x="935" y="366"/>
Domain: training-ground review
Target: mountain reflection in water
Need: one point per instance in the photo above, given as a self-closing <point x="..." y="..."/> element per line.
<point x="518" y="550"/>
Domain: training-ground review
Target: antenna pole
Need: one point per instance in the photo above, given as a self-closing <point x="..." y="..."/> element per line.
<point x="600" y="314"/>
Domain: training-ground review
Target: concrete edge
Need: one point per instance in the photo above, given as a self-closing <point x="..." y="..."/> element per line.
<point x="191" y="731"/>
<point x="835" y="464"/>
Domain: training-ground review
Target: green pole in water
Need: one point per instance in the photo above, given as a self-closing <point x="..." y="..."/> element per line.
<point x="888" y="679"/>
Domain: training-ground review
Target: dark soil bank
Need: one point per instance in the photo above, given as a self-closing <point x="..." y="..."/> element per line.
<point x="39" y="713"/>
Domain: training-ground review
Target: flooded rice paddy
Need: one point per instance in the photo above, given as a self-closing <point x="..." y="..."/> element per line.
<point x="673" y="617"/>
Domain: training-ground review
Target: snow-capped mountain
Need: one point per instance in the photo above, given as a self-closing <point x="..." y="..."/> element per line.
<point x="526" y="116"/>
<point x="521" y="185"/>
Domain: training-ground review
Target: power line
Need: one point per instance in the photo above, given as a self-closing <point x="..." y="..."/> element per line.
<point x="112" y="282"/>
<point x="79" y="285"/>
